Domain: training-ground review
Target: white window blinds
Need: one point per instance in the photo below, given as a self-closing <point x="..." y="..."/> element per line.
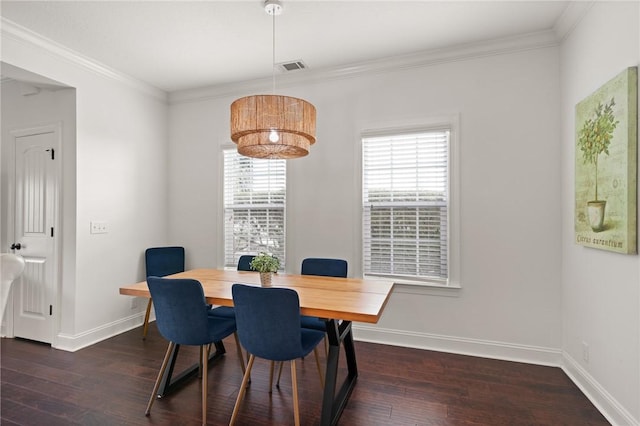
<point x="405" y="205"/>
<point x="254" y="207"/>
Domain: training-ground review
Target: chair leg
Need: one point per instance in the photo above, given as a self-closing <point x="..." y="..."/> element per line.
<point x="294" y="383"/>
<point x="279" y="374"/>
<point x="205" y="351"/>
<point x="205" y="361"/>
<point x="145" y="325"/>
<point x="156" y="386"/>
<point x="243" y="388"/>
<point x="239" y="349"/>
<point x="271" y="376"/>
<point x="315" y="352"/>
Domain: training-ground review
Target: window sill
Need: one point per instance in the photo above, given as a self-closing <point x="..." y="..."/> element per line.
<point x="426" y="288"/>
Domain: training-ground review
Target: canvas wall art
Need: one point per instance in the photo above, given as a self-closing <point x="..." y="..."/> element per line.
<point x="606" y="165"/>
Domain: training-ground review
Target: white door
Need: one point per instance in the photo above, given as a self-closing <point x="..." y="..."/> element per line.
<point x="35" y="189"/>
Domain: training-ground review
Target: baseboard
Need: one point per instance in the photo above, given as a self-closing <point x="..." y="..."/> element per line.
<point x="604" y="402"/>
<point x="464" y="346"/>
<point x="72" y="343"/>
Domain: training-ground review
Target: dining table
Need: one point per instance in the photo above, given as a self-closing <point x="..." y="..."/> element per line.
<point x="338" y="301"/>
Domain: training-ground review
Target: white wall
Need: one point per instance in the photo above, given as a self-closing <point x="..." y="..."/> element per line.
<point x="601" y="290"/>
<point x="119" y="175"/>
<point x="508" y="107"/>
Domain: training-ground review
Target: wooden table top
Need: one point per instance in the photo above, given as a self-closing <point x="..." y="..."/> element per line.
<point x="349" y="299"/>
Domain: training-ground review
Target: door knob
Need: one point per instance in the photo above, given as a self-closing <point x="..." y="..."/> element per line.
<point x="15" y="246"/>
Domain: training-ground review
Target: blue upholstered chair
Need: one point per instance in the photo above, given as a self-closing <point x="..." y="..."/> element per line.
<point x="325" y="268"/>
<point x="160" y="262"/>
<point x="244" y="264"/>
<point x="181" y="317"/>
<point x="268" y="321"/>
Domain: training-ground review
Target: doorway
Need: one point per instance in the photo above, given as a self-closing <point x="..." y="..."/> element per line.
<point x="38" y="127"/>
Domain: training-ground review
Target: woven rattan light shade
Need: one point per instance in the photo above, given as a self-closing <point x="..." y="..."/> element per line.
<point x="254" y="118"/>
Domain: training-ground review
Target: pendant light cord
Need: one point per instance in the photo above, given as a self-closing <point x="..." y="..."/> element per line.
<point x="273" y="58"/>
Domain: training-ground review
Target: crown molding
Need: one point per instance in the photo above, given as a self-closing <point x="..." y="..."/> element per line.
<point x="571" y="17"/>
<point x="574" y="12"/>
<point x="27" y="37"/>
<point x="538" y="40"/>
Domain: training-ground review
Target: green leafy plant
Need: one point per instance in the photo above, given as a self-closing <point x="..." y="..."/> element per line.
<point x="595" y="136"/>
<point x="265" y="262"/>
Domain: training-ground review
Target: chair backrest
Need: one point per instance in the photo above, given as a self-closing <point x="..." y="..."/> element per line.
<point x="244" y="263"/>
<point x="324" y="267"/>
<point x="268" y="321"/>
<point x="181" y="310"/>
<point x="163" y="261"/>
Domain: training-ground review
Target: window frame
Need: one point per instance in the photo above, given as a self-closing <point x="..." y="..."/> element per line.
<point x="434" y="123"/>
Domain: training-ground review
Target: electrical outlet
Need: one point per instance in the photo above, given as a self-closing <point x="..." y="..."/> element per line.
<point x="585" y="352"/>
<point x="134" y="303"/>
<point x="99" y="227"/>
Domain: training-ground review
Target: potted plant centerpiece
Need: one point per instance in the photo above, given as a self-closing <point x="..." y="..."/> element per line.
<point x="594" y="139"/>
<point x="266" y="264"/>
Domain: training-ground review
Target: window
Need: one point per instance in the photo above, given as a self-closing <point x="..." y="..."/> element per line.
<point x="254" y="201"/>
<point x="405" y="196"/>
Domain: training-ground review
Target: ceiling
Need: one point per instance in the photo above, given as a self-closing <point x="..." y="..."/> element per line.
<point x="176" y="45"/>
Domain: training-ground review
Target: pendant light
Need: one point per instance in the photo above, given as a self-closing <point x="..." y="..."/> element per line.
<point x="273" y="126"/>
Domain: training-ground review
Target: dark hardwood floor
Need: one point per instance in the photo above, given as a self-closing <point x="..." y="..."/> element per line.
<point x="109" y="384"/>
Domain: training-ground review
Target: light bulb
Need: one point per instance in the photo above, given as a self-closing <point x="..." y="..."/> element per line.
<point x="273" y="136"/>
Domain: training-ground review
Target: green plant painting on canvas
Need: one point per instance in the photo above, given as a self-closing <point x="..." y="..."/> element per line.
<point x="606" y="147"/>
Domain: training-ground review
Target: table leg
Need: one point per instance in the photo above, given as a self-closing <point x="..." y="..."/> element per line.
<point x="170" y="383"/>
<point x="333" y="402"/>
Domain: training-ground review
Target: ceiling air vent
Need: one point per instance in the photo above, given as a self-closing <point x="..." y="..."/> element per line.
<point x="292" y="66"/>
